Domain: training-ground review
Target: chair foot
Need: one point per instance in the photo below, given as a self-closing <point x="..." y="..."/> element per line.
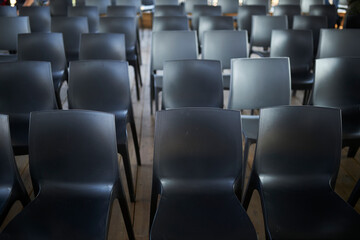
<point x="136" y="142"/>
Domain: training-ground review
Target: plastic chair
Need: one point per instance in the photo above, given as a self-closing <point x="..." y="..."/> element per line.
<point x="289" y="10"/>
<point x="207" y="23"/>
<point x="195" y="173"/>
<point x="192" y="83"/>
<point x="337" y="85"/>
<point x="305" y="4"/>
<point x="355" y="194"/>
<point x="330" y="11"/>
<point x="352" y="21"/>
<point x="219" y="45"/>
<point x="261" y="32"/>
<point x="166" y="2"/>
<point x="103" y="85"/>
<point x="100" y="4"/>
<point x="251" y="88"/>
<point x="12" y="188"/>
<point x="168" y="45"/>
<point x="127" y="26"/>
<point x="290" y="2"/>
<point x="24" y="87"/>
<point x="92" y="14"/>
<point x="105" y="46"/>
<point x="170" y="23"/>
<point x="59" y="7"/>
<point x="298" y="46"/>
<point x="295" y="172"/>
<point x="265" y="3"/>
<point x="74" y="170"/>
<point x="228" y="6"/>
<point x="45" y="47"/>
<point x="244" y="16"/>
<point x="203" y="10"/>
<point x="189" y="4"/>
<point x="313" y="23"/>
<point x="40" y="19"/>
<point x="11" y="27"/>
<point x="71" y="29"/>
<point x="121" y="11"/>
<point x="338" y="43"/>
<point x="136" y="3"/>
<point x="169" y="10"/>
<point x="8" y="11"/>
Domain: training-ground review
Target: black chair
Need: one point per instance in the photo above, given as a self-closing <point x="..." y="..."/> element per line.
<point x="192" y="83"/>
<point x="337" y="82"/>
<point x="189" y="4"/>
<point x="195" y="173"/>
<point x="11" y="27"/>
<point x="257" y="83"/>
<point x="355" y="195"/>
<point x="100" y="4"/>
<point x="74" y="170"/>
<point x="329" y="11"/>
<point x="305" y="5"/>
<point x="91" y="12"/>
<point x="71" y="29"/>
<point x="228" y="6"/>
<point x="244" y="16"/>
<point x="289" y="10"/>
<point x="59" y="7"/>
<point x="45" y="47"/>
<point x="105" y="46"/>
<point x="166" y="2"/>
<point x="261" y="32"/>
<point x="298" y="46"/>
<point x="313" y="23"/>
<point x="338" y="43"/>
<point x="136" y="3"/>
<point x="290" y="2"/>
<point x="12" y="188"/>
<point x="207" y="23"/>
<point x="203" y="10"/>
<point x="168" y="45"/>
<point x="219" y="45"/>
<point x="169" y="11"/>
<point x="8" y="11"/>
<point x="121" y="11"/>
<point x="170" y="23"/>
<point x="103" y="85"/>
<point x="127" y="26"/>
<point x="40" y="19"/>
<point x="352" y="21"/>
<point x="295" y="171"/>
<point x="24" y="87"/>
<point x="265" y="3"/>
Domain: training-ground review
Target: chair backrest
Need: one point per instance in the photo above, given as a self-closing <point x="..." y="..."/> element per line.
<point x="71" y="29"/>
<point x="47" y="47"/>
<point x="290" y="2"/>
<point x="40" y="19"/>
<point x="170" y="23"/>
<point x="11" y="27"/>
<point x="56" y="148"/>
<point x="100" y="4"/>
<point x="59" y="7"/>
<point x="262" y="27"/>
<point x="208" y="23"/>
<point x="337" y="82"/>
<point x="91" y="12"/>
<point x="124" y="25"/>
<point x="109" y="46"/>
<point x="7" y="11"/>
<point x="192" y="83"/>
<point x="166" y="2"/>
<point x="289" y="10"/>
<point x="136" y="3"/>
<point x="189" y="4"/>
<point x="295" y="44"/>
<point x="25" y="87"/>
<point x="338" y="43"/>
<point x="172" y="45"/>
<point x="299" y="143"/>
<point x="121" y="11"/>
<point x="352" y="21"/>
<point x="169" y="10"/>
<point x="313" y="23"/>
<point x="259" y="82"/>
<point x="203" y="10"/>
<point x="265" y="3"/>
<point x="219" y="45"/>
<point x="228" y="6"/>
<point x="197" y="153"/>
<point x="305" y="4"/>
<point x="330" y="11"/>
<point x="101" y="85"/>
<point x="244" y="16"/>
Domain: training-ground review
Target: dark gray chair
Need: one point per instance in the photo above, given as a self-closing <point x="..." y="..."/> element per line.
<point x="265" y="3"/>
<point x="290" y="2"/>
<point x="136" y="3"/>
<point x="225" y="45"/>
<point x="166" y="2"/>
<point x="8" y="11"/>
<point x="121" y="11"/>
<point x="208" y="23"/>
<point x="170" y="23"/>
<point x="100" y="4"/>
<point x="294" y="171"/>
<point x="195" y="173"/>
<point x="329" y="11"/>
<point x="288" y="10"/>
<point x="169" y="10"/>
<point x="244" y="16"/>
<point x="305" y="4"/>
<point x="192" y="83"/>
<point x="228" y="6"/>
<point x="189" y="4"/>
<point x="59" y="7"/>
<point x="203" y="10"/>
<point x="40" y="19"/>
<point x="91" y="12"/>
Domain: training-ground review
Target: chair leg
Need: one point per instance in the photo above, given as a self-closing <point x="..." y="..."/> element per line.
<point x="123" y="150"/>
<point x="153" y="202"/>
<point x="306" y="97"/>
<point x="58" y="99"/>
<point x="355" y="194"/>
<point x="352" y="151"/>
<point x="246" y="156"/>
<point x="152" y="90"/>
<point x="157" y="91"/>
<point x="125" y="211"/>
<point x="139" y="70"/>
<point x="249" y="191"/>
<point x="136" y="69"/>
<point x="136" y="142"/>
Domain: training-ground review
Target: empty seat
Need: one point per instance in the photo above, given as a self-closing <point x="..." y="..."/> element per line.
<point x="208" y="23"/>
<point x="330" y="11"/>
<point x="244" y="16"/>
<point x="121" y="11"/>
<point x="228" y="6"/>
<point x="100" y="4"/>
<point x="40" y="19"/>
<point x="136" y="3"/>
<point x="7" y="11"/>
<point x="189" y="4"/>
<point x="91" y="12"/>
<point x="170" y="23"/>
<point x="166" y="2"/>
<point x="169" y="10"/>
<point x="203" y="10"/>
<point x="59" y="7"/>
<point x="305" y="4"/>
<point x="265" y="3"/>
<point x="289" y="10"/>
<point x="289" y="2"/>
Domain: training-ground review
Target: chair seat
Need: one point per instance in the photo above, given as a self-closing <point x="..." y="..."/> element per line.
<point x="250" y="126"/>
<point x="63" y="213"/>
<point x="8" y="58"/>
<point x="302" y="80"/>
<point x="317" y="212"/>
